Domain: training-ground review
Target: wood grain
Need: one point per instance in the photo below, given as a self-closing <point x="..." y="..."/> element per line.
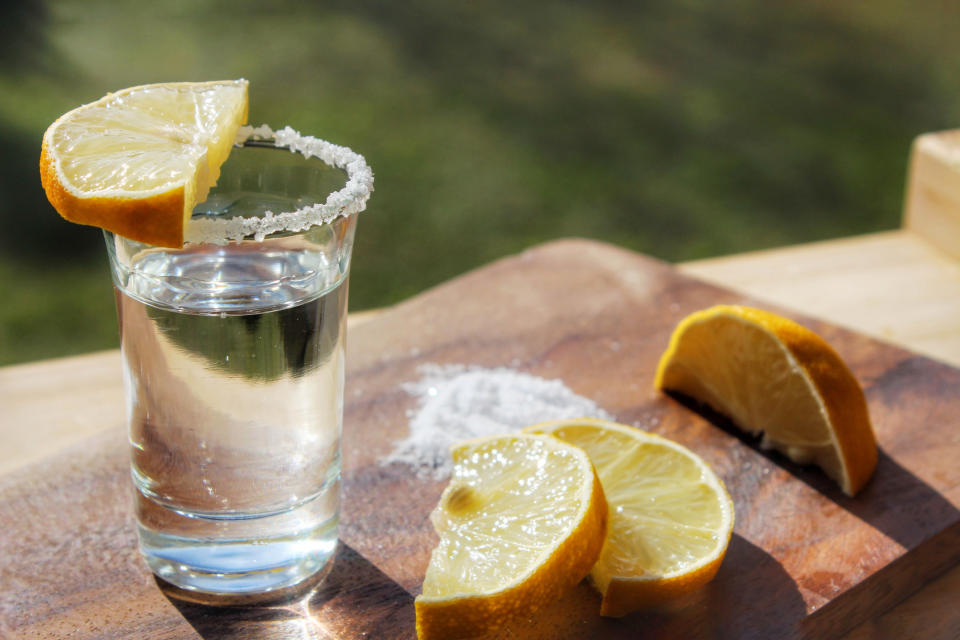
<point x="805" y="560"/>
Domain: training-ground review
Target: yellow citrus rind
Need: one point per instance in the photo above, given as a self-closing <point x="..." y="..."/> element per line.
<point x="628" y="574"/>
<point x="465" y="614"/>
<point x="707" y="360"/>
<point x="190" y="126"/>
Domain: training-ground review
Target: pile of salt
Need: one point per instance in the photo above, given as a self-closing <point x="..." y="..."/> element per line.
<point x="458" y="403"/>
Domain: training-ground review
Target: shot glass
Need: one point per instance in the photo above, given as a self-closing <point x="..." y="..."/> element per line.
<point x="233" y="364"/>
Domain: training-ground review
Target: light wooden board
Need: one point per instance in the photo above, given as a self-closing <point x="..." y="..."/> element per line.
<point x="894" y="286"/>
<point x="932" y="208"/>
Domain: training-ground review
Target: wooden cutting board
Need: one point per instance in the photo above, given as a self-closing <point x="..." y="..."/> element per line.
<point x="804" y="560"/>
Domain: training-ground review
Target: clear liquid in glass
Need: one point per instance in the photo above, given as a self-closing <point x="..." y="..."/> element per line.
<point x="234" y="366"/>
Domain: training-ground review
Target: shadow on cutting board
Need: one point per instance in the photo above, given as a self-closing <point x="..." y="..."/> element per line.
<point x="894" y="501"/>
<point x="716" y="611"/>
<point x="356" y="600"/>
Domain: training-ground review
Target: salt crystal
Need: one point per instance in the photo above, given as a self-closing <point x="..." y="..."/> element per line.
<point x="457" y="403"/>
<point x="352" y="198"/>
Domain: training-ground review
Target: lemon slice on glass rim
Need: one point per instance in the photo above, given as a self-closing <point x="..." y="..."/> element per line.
<point x="137" y="161"/>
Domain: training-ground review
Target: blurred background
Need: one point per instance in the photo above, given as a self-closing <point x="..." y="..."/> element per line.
<point x="679" y="129"/>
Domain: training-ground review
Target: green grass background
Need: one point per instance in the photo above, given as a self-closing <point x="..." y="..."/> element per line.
<point x="680" y="129"/>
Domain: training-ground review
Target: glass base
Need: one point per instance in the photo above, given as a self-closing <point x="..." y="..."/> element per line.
<point x="216" y="567"/>
<point x="215" y="563"/>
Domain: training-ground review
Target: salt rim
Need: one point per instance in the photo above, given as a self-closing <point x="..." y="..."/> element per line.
<point x="352" y="198"/>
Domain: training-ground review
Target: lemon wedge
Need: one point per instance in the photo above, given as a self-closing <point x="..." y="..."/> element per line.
<point x="137" y="161"/>
<point x="670" y="515"/>
<point x="775" y="378"/>
<point x="522" y="520"/>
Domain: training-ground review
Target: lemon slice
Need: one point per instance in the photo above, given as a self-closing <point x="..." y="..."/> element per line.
<point x="136" y="162"/>
<point x="522" y="521"/>
<point x="670" y="516"/>
<point x="774" y="377"/>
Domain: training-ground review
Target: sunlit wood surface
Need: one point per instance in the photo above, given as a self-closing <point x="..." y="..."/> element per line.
<point x="53" y="404"/>
<point x="901" y="286"/>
